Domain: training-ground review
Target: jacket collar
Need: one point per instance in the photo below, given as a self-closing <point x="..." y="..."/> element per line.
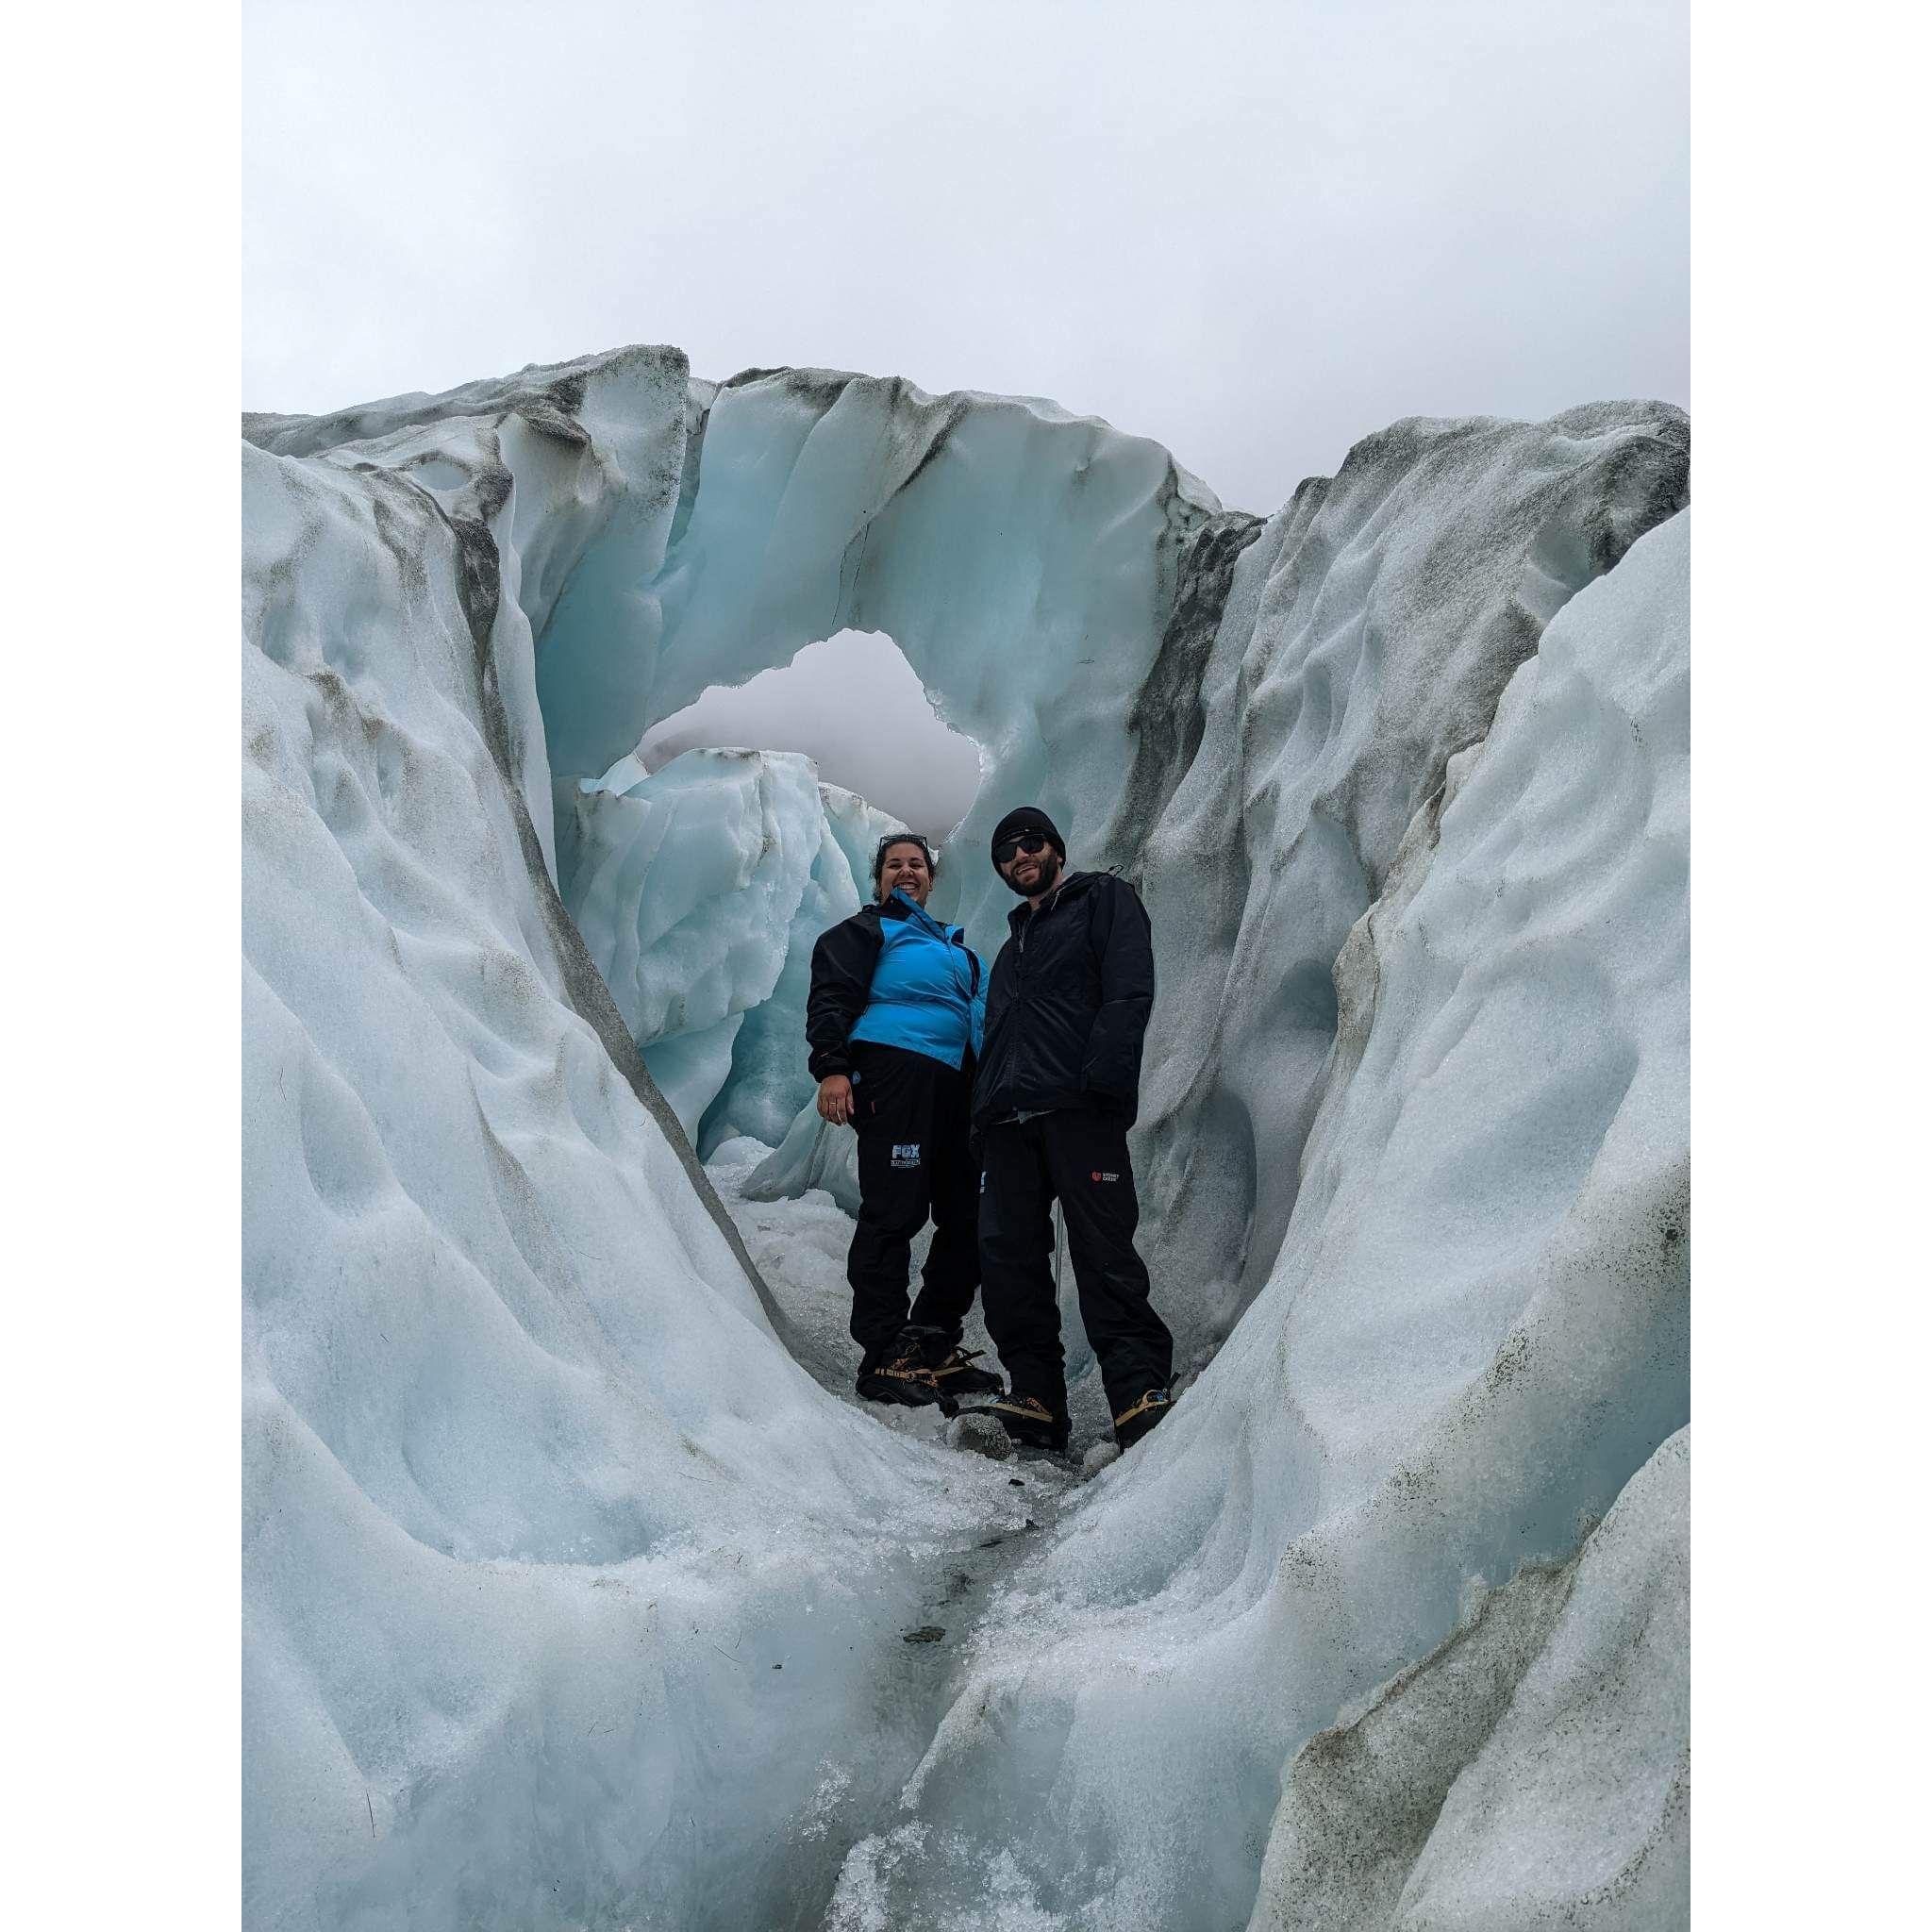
<point x="1071" y="886"/>
<point x="897" y="905"/>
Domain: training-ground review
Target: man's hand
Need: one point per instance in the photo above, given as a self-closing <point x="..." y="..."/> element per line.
<point x="835" y="1100"/>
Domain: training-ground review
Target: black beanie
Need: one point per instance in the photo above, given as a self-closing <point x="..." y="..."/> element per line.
<point x="1029" y="818"/>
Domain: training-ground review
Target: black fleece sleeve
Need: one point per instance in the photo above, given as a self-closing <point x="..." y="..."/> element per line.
<point x="1125" y="940"/>
<point x="841" y="964"/>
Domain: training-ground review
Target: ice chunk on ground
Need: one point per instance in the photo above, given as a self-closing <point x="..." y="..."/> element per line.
<point x="812" y="1154"/>
<point x="982" y="1435"/>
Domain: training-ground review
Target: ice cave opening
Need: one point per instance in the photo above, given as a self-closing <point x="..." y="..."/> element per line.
<point x="702" y="865"/>
<point x="854" y="706"/>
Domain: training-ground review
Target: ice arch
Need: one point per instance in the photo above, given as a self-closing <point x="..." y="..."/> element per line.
<point x="1244" y="716"/>
<point x="1025" y="559"/>
<point x="701" y="870"/>
<point x="854" y="706"/>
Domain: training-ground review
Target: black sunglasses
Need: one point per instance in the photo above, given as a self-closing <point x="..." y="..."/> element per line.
<point x="1005" y="852"/>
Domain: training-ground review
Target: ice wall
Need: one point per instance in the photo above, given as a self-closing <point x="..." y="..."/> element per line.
<point x="1533" y="1771"/>
<point x="1365" y="636"/>
<point x="699" y="890"/>
<point x="1414" y="1102"/>
<point x="1243" y="717"/>
<point x="1476" y="1331"/>
<point x="568" y="1597"/>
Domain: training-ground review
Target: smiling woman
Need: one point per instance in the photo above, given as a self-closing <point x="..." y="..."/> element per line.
<point x="854" y="707"/>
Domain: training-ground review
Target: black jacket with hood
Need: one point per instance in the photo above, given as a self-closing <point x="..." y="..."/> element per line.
<point x="1067" y="1004"/>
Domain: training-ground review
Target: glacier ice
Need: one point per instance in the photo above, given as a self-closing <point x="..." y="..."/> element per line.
<point x="1367" y="633"/>
<point x="1475" y="1330"/>
<point x="532" y="1468"/>
<point x="768" y="1086"/>
<point x="699" y="890"/>
<point x="1534" y="1769"/>
<point x="534" y="1496"/>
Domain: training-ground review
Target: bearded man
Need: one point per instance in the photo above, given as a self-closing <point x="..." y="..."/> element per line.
<point x="1058" y="1087"/>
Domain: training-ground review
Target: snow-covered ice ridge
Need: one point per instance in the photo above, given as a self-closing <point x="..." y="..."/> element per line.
<point x="537" y="1493"/>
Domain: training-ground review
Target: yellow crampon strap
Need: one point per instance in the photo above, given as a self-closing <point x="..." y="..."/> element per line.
<point x="1028" y="1407"/>
<point x="1153" y="1398"/>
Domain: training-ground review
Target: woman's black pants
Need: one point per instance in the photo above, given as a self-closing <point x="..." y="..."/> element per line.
<point x="913" y="1117"/>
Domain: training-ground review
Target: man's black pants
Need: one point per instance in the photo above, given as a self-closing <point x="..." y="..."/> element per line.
<point x="1080" y="1157"/>
<point x="913" y="1114"/>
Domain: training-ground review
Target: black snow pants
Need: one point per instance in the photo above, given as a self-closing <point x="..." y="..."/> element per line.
<point x="1079" y="1156"/>
<point x="913" y="1117"/>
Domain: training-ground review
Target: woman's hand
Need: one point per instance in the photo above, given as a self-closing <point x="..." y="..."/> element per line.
<point x="835" y="1100"/>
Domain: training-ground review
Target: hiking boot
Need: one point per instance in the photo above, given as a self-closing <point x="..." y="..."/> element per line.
<point x="951" y="1368"/>
<point x="903" y="1378"/>
<point x="1139" y="1417"/>
<point x="956" y="1374"/>
<point x="1028" y="1422"/>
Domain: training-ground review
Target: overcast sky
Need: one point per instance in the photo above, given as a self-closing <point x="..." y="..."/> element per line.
<point x="1252" y="231"/>
<point x="904" y="761"/>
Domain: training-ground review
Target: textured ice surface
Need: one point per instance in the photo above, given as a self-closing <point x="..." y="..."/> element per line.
<point x="535" y="1495"/>
<point x="768" y="1086"/>
<point x="699" y="890"/>
<point x="1533" y="1771"/>
<point x="1577" y="1812"/>
<point x="534" y="1498"/>
<point x="1475" y="1331"/>
<point x="1244" y="717"/>
<point x="1367" y="633"/>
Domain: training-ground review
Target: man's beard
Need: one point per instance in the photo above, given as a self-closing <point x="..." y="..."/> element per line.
<point x="1049" y="871"/>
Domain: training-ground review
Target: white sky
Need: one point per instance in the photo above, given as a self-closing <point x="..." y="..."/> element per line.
<point x="904" y="761"/>
<point x="1252" y="231"/>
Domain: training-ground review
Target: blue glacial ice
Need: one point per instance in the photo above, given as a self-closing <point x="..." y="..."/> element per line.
<point x="699" y="890"/>
<point x="538" y="1491"/>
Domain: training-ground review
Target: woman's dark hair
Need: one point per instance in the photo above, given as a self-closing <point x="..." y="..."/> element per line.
<point x="886" y="845"/>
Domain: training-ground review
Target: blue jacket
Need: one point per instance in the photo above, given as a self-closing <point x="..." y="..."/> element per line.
<point x="894" y="975"/>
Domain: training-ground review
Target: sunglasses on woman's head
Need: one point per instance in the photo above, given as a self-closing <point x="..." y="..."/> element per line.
<point x="1007" y="849"/>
